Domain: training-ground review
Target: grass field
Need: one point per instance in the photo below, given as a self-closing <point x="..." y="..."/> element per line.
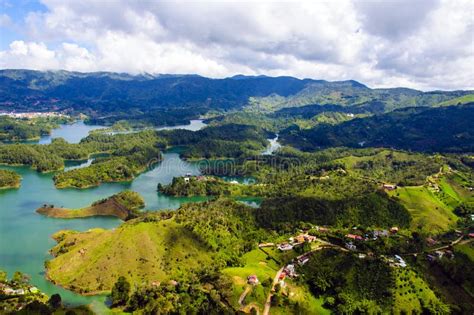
<point x="467" y="249"/>
<point x="144" y="252"/>
<point x="459" y="100"/>
<point x="308" y="304"/>
<point x="256" y="262"/>
<point x="429" y="214"/>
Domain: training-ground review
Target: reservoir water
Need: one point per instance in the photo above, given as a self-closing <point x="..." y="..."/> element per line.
<point x="26" y="236"/>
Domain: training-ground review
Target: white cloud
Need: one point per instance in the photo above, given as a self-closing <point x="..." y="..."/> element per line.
<point x="424" y="45"/>
<point x="28" y="55"/>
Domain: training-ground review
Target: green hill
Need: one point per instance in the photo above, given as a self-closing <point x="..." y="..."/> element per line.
<point x="469" y="98"/>
<point x="442" y="129"/>
<point x="154" y="248"/>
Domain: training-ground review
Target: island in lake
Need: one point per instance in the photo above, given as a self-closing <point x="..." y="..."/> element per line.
<point x="124" y="205"/>
<point x="9" y="179"/>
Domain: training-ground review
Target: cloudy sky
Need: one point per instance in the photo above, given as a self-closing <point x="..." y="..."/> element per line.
<point x="419" y="44"/>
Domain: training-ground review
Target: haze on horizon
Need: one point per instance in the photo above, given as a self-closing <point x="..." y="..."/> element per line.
<point x="424" y="44"/>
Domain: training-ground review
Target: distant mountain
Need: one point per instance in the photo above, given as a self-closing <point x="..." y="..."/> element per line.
<point x="119" y="95"/>
<point x="441" y="129"/>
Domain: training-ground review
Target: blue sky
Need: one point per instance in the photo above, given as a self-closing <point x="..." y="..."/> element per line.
<point x="424" y="44"/>
<point x="16" y="10"/>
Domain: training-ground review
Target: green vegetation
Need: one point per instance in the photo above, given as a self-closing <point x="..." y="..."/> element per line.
<point x="375" y="209"/>
<point x="411" y="294"/>
<point x="231" y="140"/>
<point x="429" y="214"/>
<point x="196" y="237"/>
<point x="18" y="296"/>
<point x="124" y="205"/>
<point x="469" y="98"/>
<point x="208" y="186"/>
<point x="9" y="179"/>
<point x="12" y="129"/>
<point x="198" y="258"/>
<point x="354" y="285"/>
<point x="443" y="129"/>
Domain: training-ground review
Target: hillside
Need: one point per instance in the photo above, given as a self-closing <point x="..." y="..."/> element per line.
<point x="174" y="99"/>
<point x="443" y="129"/>
<point x="172" y="246"/>
<point x="124" y="205"/>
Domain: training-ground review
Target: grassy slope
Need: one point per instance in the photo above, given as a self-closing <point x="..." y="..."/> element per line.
<point x="459" y="100"/>
<point x="429" y="214"/>
<point x="411" y="292"/>
<point x="142" y="252"/>
<point x="259" y="262"/>
<point x="432" y="211"/>
<point x="467" y="249"/>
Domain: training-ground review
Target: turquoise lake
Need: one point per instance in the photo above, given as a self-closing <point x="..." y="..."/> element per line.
<point x="26" y="235"/>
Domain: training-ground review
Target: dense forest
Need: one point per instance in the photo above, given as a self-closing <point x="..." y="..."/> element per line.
<point x="9" y="179"/>
<point x="12" y="129"/>
<point x="444" y="129"/>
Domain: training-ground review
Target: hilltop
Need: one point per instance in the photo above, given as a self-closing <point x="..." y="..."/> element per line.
<point x="172" y="245"/>
<point x="124" y="205"/>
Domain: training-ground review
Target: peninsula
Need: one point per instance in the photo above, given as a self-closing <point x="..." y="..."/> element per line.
<point x="124" y="205"/>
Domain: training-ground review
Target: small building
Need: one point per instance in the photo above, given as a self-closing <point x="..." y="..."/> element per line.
<point x="300" y="239"/>
<point x="362" y="256"/>
<point x="303" y="260"/>
<point x="284" y="247"/>
<point x="354" y="237"/>
<point x="439" y="253"/>
<point x="394" y="229"/>
<point x="380" y="233"/>
<point x="471" y="235"/>
<point x="186" y="179"/>
<point x="389" y="187"/>
<point x="282" y="276"/>
<point x="350" y="246"/>
<point x="252" y="279"/>
<point x="430" y="241"/>
<point x="400" y="262"/>
<point x="290" y="270"/>
<point x="266" y="245"/>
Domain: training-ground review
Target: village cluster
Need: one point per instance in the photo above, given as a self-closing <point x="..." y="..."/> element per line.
<point x="31" y="115"/>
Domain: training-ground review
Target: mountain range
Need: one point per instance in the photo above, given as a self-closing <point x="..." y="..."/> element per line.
<point x="107" y="94"/>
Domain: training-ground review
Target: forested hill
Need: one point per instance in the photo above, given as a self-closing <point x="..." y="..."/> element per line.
<point x="443" y="129"/>
<point x="179" y="97"/>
